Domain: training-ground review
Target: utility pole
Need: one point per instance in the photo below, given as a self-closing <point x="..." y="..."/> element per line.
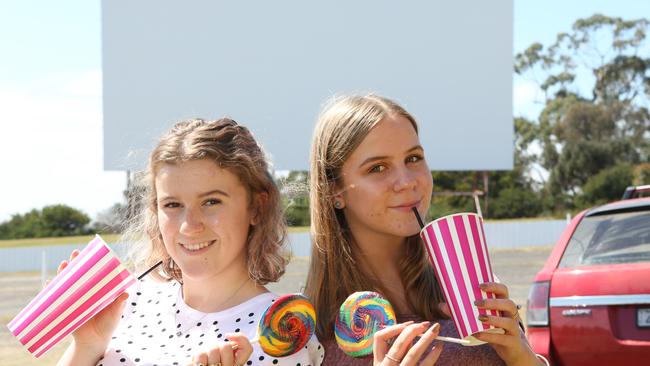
<point x="486" y="190"/>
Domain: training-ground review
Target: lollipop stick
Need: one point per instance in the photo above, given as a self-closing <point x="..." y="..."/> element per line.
<point x="453" y="340"/>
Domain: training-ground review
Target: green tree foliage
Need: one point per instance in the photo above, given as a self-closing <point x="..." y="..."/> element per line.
<point x="507" y="189"/>
<point x="513" y="202"/>
<point x="55" y="220"/>
<point x="62" y="220"/>
<point x="641" y="174"/>
<point x="608" y="185"/>
<point x="513" y="193"/>
<point x="23" y="226"/>
<point x="111" y="220"/>
<point x="295" y="198"/>
<point x="444" y="201"/>
<point x="445" y="184"/>
<point x="584" y="132"/>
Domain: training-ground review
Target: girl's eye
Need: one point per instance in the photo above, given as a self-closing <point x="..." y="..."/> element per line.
<point x="414" y="158"/>
<point x="212" y="202"/>
<point x="377" y="169"/>
<point x="172" y="205"/>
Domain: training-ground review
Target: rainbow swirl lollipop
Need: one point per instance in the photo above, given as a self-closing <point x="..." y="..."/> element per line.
<point x="360" y="316"/>
<point x="286" y="325"/>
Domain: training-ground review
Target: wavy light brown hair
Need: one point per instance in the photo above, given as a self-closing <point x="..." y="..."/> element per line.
<point x="231" y="147"/>
<point x="335" y="271"/>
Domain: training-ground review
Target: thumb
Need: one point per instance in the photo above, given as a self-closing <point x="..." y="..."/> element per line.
<point x="121" y="300"/>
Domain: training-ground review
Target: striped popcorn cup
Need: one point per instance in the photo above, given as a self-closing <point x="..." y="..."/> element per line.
<point x="458" y="251"/>
<point x="87" y="285"/>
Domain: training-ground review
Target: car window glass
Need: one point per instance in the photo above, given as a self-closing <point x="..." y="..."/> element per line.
<point x="609" y="239"/>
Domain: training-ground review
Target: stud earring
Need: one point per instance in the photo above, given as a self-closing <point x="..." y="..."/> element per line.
<point x="338" y="204"/>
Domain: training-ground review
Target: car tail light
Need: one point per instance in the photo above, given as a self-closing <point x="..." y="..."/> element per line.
<point x="537" y="307"/>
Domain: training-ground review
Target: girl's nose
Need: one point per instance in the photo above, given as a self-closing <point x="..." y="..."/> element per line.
<point x="192" y="222"/>
<point x="405" y="179"/>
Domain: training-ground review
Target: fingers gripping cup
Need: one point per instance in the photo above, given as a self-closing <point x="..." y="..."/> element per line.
<point x="458" y="251"/>
<point x="91" y="281"/>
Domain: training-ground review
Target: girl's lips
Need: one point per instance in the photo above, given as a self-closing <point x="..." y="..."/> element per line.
<point x="407" y="207"/>
<point x="197" y="248"/>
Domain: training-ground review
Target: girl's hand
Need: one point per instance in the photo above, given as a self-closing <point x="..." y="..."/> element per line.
<point x="510" y="346"/>
<point x="402" y="351"/>
<point x="235" y="352"/>
<point x="96" y="333"/>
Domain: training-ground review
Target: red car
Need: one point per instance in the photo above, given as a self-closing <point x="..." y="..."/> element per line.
<point x="590" y="303"/>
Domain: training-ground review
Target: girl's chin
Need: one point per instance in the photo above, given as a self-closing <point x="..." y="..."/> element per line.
<point x="405" y="230"/>
<point x="193" y="273"/>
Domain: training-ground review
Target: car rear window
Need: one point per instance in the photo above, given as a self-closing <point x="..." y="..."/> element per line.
<point x="609" y="238"/>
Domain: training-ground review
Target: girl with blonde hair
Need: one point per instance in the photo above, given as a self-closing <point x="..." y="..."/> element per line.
<point x="211" y="213"/>
<point x="367" y="173"/>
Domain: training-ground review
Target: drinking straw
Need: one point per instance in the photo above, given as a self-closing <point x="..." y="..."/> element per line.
<point x="149" y="270"/>
<point x="417" y="215"/>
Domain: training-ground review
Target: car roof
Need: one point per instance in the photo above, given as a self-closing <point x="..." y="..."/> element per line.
<point x="636" y="204"/>
<point x="631" y="191"/>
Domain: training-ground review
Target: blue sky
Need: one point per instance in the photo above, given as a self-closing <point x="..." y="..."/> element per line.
<point x="51" y="108"/>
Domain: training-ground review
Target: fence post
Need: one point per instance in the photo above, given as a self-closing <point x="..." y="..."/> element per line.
<point x="43" y="268"/>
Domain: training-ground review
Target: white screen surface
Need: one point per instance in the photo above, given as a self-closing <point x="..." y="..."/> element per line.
<point x="271" y="66"/>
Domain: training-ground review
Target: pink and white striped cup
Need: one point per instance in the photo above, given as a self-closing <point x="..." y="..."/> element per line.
<point x="458" y="251"/>
<point x="87" y="285"/>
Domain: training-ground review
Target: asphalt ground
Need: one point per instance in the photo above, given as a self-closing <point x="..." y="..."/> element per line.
<point x="514" y="267"/>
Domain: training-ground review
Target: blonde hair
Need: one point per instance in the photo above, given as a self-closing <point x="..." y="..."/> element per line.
<point x="231" y="147"/>
<point x="335" y="270"/>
